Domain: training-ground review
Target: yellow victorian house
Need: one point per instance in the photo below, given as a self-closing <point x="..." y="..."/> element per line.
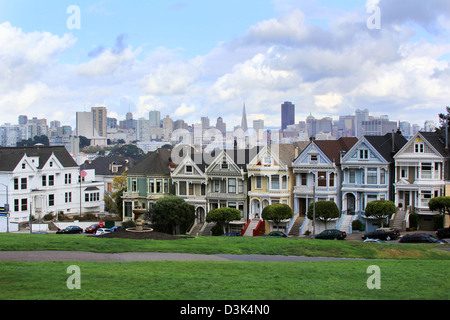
<point x="271" y="178"/>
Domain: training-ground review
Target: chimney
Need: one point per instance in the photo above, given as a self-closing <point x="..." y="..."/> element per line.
<point x="296" y="153"/>
<point x="393" y="141"/>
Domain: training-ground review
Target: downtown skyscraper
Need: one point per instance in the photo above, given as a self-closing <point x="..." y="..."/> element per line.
<point x="287" y="114"/>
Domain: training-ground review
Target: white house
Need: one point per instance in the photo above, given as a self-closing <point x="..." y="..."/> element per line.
<point x="39" y="180"/>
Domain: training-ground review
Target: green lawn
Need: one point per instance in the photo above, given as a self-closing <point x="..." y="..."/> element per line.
<point x="400" y="280"/>
<point x="225" y="245"/>
<point x="407" y="271"/>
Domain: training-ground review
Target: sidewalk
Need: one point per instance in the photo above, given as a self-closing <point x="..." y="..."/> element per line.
<point x="74" y="256"/>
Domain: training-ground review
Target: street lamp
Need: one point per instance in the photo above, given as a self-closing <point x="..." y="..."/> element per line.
<point x="314" y="202"/>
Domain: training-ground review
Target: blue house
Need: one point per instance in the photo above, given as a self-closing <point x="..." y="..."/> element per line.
<point x="318" y="173"/>
<point x="368" y="175"/>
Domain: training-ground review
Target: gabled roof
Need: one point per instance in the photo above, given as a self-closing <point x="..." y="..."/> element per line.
<point x="10" y="157"/>
<point x="387" y="145"/>
<point x="156" y="163"/>
<point x="283" y="152"/>
<point x="333" y="148"/>
<point x="437" y="140"/>
<point x="103" y="165"/>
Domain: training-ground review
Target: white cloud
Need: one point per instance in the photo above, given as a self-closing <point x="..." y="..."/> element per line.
<point x="108" y="62"/>
<point x="184" y="110"/>
<point x="332" y="68"/>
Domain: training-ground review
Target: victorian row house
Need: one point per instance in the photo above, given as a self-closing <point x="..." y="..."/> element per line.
<point x="422" y="170"/>
<point x="318" y="175"/>
<point x="350" y="172"/>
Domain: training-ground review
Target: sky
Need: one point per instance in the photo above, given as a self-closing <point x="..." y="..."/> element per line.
<point x="195" y="58"/>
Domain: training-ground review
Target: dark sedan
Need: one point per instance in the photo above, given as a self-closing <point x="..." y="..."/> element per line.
<point x="70" y="230"/>
<point x="332" y="234"/>
<point x="443" y="233"/>
<point x="382" y="234"/>
<point x="278" y="234"/>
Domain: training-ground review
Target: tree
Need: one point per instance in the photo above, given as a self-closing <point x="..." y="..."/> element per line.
<point x="325" y="211"/>
<point x="223" y="215"/>
<point x="84" y="142"/>
<point x="441" y="204"/>
<point x="36" y="140"/>
<point x="113" y="201"/>
<point x="128" y="150"/>
<point x="277" y="212"/>
<point x="380" y="209"/>
<point x="173" y="215"/>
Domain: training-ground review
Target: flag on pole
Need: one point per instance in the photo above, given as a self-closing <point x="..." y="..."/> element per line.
<point x="82" y="172"/>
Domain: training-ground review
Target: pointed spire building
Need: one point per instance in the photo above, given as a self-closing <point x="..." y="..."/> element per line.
<point x="244" y="125"/>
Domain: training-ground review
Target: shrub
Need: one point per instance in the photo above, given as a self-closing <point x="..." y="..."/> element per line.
<point x="357" y="225"/>
<point x="48" y="217"/>
<point x="413" y="220"/>
<point x="438" y="221"/>
<point x="128" y="224"/>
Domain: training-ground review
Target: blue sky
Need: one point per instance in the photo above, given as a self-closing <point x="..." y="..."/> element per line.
<point x="197" y="58"/>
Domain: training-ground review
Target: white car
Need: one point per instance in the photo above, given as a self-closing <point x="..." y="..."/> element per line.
<point x="101" y="231"/>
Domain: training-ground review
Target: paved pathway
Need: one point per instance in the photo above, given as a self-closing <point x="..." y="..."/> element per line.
<point x="34" y="256"/>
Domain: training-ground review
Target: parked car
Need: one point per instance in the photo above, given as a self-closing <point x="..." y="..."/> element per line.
<point x="332" y="234"/>
<point x="374" y="240"/>
<point x="101" y="231"/>
<point x="231" y="234"/>
<point x="92" y="229"/>
<point x="443" y="233"/>
<point x="278" y="234"/>
<point x="382" y="234"/>
<point x="420" y="238"/>
<point x="116" y="228"/>
<point x="70" y="230"/>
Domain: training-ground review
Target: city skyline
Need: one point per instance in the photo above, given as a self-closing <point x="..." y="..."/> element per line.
<point x="186" y="60"/>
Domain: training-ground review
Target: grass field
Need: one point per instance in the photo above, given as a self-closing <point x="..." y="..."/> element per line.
<point x="406" y="271"/>
<point x="225" y="245"/>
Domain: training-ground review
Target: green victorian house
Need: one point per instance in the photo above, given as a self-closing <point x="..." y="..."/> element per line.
<point x="148" y="181"/>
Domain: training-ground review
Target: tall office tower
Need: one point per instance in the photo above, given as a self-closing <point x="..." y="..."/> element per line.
<point x="205" y="123"/>
<point x="167" y="127"/>
<point x="55" y="124"/>
<point x="221" y="126"/>
<point x="405" y="128"/>
<point x="287" y="114"/>
<point x="99" y="116"/>
<point x="258" y="124"/>
<point x="85" y="124"/>
<point x="143" y="130"/>
<point x="360" y="116"/>
<point x="244" y="125"/>
<point x="23" y="120"/>
<point x="155" y="118"/>
<point x="378" y="127"/>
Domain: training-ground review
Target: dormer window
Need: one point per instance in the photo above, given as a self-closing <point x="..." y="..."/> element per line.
<point x="189" y="169"/>
<point x="224" y="165"/>
<point x="51" y="164"/>
<point x="314" y="158"/>
<point x="23" y="165"/>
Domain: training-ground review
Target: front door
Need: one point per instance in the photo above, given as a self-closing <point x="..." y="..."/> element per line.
<point x="351" y="201"/>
